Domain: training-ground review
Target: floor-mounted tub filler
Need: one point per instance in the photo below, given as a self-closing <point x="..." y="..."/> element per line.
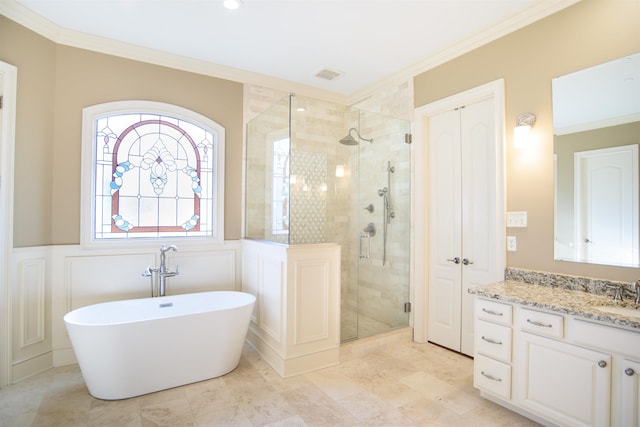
<point x="134" y="347"/>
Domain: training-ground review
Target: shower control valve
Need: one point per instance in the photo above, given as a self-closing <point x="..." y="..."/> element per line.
<point x="370" y="208"/>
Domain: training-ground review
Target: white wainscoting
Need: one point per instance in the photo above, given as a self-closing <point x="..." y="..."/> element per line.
<point x="296" y="322"/>
<point x="30" y="312"/>
<point x="53" y="280"/>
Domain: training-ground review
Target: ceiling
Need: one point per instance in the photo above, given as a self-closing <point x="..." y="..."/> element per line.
<point x="366" y="41"/>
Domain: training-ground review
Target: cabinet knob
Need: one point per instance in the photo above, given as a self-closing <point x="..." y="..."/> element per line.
<point x="602" y="364"/>
<point x="629" y="372"/>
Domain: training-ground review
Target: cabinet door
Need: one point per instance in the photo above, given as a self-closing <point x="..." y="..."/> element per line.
<point x="564" y="383"/>
<point x="630" y="398"/>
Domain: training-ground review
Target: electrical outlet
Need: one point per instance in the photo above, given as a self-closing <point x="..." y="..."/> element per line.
<point x="511" y="243"/>
<point x="516" y="219"/>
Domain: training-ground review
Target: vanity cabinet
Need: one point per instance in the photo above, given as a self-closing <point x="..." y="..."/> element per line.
<point x="563" y="382"/>
<point x="629" y="375"/>
<point x="556" y="368"/>
<point x="493" y="347"/>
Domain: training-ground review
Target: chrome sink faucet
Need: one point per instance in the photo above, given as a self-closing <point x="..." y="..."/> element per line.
<point x="617" y="292"/>
<point x="159" y="275"/>
<point x="637" y="289"/>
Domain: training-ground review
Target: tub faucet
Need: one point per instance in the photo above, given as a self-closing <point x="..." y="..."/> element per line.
<point x="159" y="275"/>
<point x="163" y="273"/>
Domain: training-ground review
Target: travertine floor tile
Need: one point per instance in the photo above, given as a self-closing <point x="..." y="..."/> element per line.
<point x="387" y="381"/>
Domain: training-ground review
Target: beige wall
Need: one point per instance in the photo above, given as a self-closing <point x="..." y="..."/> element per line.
<point x="54" y="83"/>
<point x="586" y="34"/>
<point x="35" y="58"/>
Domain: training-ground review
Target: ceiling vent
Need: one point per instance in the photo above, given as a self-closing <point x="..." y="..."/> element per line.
<point x="328" y="74"/>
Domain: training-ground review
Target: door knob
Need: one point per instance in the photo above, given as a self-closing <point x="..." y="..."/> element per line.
<point x="466" y="261"/>
<point x="455" y="260"/>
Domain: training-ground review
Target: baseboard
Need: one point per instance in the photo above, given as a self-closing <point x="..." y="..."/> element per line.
<point x="63" y="357"/>
<point x="26" y="368"/>
<point x="291" y="366"/>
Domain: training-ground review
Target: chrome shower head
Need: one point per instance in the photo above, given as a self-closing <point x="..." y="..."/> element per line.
<point x="350" y="140"/>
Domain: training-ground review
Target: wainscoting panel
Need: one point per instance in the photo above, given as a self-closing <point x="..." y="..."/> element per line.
<point x="312" y="301"/>
<point x="95" y="279"/>
<point x="30" y="312"/>
<point x="297" y="326"/>
<point x="271" y="293"/>
<point x="31" y="302"/>
<point x="250" y="280"/>
<point x="203" y="271"/>
<point x="50" y="281"/>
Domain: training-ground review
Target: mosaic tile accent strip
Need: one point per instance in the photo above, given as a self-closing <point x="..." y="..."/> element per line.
<point x="308" y="198"/>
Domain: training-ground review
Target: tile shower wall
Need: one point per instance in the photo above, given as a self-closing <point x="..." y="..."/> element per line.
<point x="315" y="152"/>
<point x="325" y="206"/>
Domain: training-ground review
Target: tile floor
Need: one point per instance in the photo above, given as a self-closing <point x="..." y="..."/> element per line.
<point x="381" y="381"/>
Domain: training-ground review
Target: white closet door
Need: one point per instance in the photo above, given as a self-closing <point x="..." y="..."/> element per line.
<point x="478" y="208"/>
<point x="462" y="228"/>
<point x="444" y="230"/>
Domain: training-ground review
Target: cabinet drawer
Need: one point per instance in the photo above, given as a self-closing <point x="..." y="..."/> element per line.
<point x="494" y="311"/>
<point x="493" y="340"/>
<point x="492" y="376"/>
<point x="540" y="323"/>
<point x="603" y="337"/>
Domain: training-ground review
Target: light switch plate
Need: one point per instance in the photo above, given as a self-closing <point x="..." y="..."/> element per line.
<point x="516" y="219"/>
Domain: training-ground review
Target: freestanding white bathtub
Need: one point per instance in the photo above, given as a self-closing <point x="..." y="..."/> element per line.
<point x="133" y="347"/>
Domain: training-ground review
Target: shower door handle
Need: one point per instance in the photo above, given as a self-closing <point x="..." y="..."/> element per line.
<point x="368" y="237"/>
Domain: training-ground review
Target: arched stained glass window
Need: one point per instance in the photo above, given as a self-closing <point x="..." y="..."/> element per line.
<point x="156" y="172"/>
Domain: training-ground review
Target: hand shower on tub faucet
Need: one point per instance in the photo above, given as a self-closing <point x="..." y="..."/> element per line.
<point x="163" y="255"/>
<point x="164" y="273"/>
<point x="159" y="275"/>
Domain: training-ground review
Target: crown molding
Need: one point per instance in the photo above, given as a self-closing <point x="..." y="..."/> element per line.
<point x="520" y="20"/>
<point x="31" y="20"/>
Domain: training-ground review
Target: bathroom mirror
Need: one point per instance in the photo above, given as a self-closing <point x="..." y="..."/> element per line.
<point x="596" y="126"/>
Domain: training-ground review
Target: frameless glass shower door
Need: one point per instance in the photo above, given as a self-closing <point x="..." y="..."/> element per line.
<point x="375" y="259"/>
<point x="319" y="172"/>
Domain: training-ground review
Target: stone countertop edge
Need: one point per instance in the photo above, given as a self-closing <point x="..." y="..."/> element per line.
<point x="571" y="302"/>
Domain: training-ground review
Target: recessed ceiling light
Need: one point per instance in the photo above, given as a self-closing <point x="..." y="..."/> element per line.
<point x="232" y="4"/>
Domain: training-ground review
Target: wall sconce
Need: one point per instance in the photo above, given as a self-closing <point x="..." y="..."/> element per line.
<point x="522" y="132"/>
<point x="232" y="4"/>
<point x="339" y="171"/>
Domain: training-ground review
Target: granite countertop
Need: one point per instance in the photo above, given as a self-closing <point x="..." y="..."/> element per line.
<point x="576" y="303"/>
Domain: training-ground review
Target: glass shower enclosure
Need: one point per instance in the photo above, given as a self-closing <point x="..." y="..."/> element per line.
<point x="320" y="172"/>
